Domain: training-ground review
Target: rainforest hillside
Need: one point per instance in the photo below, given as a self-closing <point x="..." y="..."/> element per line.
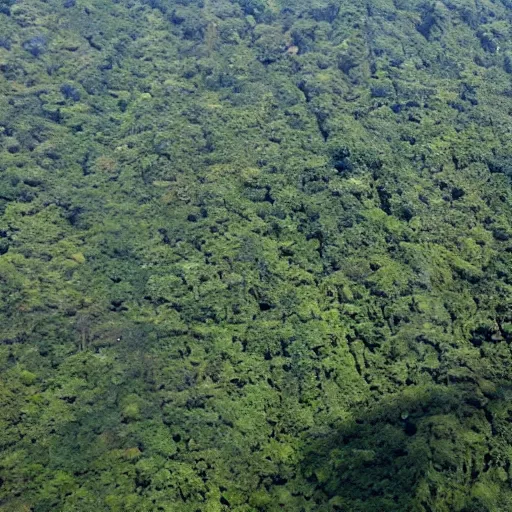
<point x="256" y="255"/>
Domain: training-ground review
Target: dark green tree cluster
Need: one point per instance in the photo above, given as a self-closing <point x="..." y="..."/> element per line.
<point x="255" y="255"/>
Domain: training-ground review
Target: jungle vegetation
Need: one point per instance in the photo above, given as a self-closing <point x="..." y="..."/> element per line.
<point x="255" y="255"/>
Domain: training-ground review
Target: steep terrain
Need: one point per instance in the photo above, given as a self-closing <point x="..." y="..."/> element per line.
<point x="255" y="255"/>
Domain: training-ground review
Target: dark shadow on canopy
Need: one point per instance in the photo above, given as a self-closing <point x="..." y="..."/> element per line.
<point x="414" y="452"/>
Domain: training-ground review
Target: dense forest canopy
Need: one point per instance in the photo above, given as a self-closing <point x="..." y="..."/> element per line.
<point x="256" y="255"/>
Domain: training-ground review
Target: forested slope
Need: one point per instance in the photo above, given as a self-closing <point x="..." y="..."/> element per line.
<point x="255" y="255"/>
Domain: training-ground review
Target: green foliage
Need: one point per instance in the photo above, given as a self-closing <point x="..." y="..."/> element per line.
<point x="255" y="255"/>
